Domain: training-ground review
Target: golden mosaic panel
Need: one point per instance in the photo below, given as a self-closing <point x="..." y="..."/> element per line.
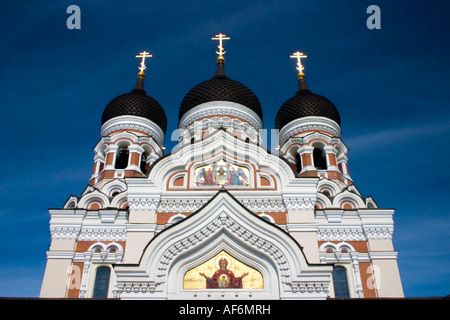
<point x="222" y="278"/>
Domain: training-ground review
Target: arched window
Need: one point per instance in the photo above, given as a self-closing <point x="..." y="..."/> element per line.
<point x="101" y="285"/>
<point x="103" y="157"/>
<point x="298" y="162"/>
<point x="143" y="161"/>
<point x="122" y="157"/>
<point x="320" y="161"/>
<point x="340" y="283"/>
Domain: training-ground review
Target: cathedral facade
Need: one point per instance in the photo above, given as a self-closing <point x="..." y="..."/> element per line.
<point x="221" y="217"/>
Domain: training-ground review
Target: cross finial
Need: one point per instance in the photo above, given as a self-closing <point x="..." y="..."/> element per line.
<point x="221" y="52"/>
<point x="299" y="55"/>
<point x="143" y="55"/>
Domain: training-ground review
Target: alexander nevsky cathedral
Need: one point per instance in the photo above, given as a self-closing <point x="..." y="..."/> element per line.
<point x="221" y="216"/>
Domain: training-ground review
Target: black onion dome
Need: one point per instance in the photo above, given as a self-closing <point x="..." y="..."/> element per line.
<point x="220" y="88"/>
<point x="305" y="104"/>
<point x="136" y="103"/>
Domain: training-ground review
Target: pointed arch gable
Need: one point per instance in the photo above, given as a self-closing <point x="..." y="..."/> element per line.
<point x="224" y="224"/>
<point x="250" y="155"/>
<point x="223" y="241"/>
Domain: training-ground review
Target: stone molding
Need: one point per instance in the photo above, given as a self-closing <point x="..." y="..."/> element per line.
<point x="133" y="123"/>
<point x="311" y="123"/>
<point x="223" y="108"/>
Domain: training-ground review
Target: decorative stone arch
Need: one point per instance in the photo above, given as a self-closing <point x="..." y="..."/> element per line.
<point x="93" y="197"/>
<point x="179" y="180"/>
<point x="326" y="184"/>
<point x="370" y="203"/>
<point x="345" y="247"/>
<point x="120" y="201"/>
<point x="97" y="247"/>
<point x="348" y="197"/>
<point x="223" y="224"/>
<point x="114" y="247"/>
<point x="113" y="186"/>
<point x="341" y="247"/>
<point x="124" y="135"/>
<point x="265" y="181"/>
<point x="348" y="204"/>
<point x="266" y="217"/>
<point x="176" y="218"/>
<point x="328" y="247"/>
<point x="71" y="203"/>
<point x="322" y="202"/>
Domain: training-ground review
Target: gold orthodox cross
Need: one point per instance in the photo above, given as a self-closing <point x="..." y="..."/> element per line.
<point x="220" y="37"/>
<point x="143" y="55"/>
<point x="299" y="55"/>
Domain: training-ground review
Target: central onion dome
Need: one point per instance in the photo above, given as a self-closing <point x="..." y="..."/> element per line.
<point x="136" y="103"/>
<point x="220" y="88"/>
<point x="305" y="104"/>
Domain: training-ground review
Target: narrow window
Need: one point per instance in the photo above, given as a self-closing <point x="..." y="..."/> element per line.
<point x="340" y="283"/>
<point x="247" y="152"/>
<point x="192" y="140"/>
<point x="122" y="158"/>
<point x="143" y="162"/>
<point x="298" y="162"/>
<point x="101" y="282"/>
<point x="320" y="161"/>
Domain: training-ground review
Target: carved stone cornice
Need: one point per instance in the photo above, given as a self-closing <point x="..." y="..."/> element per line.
<point x="309" y="124"/>
<point x="222" y="108"/>
<point x="103" y="234"/>
<point x="89" y="233"/>
<point x="133" y="123"/>
<point x="340" y="234"/>
<point x="296" y="203"/>
<point x="310" y="287"/>
<point x="354" y="233"/>
<point x="382" y="232"/>
<point x="141" y="203"/>
<point x="64" y="232"/>
<point x="254" y="205"/>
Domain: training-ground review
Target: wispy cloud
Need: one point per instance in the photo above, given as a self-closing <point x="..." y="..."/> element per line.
<point x="400" y="135"/>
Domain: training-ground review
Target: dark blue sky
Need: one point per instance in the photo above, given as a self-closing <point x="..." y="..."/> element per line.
<point x="389" y="85"/>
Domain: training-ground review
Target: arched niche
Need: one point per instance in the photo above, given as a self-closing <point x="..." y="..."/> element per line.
<point x="262" y="282"/>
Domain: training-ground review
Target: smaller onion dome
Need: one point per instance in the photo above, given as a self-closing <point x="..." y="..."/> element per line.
<point x="136" y="103"/>
<point x="305" y="104"/>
